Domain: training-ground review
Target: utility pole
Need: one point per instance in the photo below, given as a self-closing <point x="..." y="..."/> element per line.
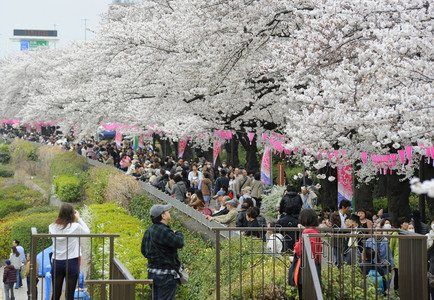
<point x="85" y="28"/>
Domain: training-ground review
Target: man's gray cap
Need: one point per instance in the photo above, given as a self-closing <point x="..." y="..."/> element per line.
<point x="158" y="209"/>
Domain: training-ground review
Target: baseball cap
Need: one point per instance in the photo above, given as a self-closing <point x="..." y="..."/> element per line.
<point x="158" y="209"/>
<point x="220" y="193"/>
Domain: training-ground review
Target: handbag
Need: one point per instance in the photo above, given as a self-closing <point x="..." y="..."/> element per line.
<point x="294" y="271"/>
<point x="183" y="275"/>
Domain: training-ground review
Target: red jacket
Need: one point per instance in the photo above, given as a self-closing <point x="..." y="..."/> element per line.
<point x="10" y="274"/>
<point x="315" y="244"/>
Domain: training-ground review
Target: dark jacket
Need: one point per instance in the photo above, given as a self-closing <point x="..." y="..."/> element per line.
<point x="290" y="237"/>
<point x="241" y="219"/>
<point x="160" y="246"/>
<point x="9" y="274"/>
<point x="222" y="183"/>
<point x="179" y="190"/>
<point x="224" y="211"/>
<point x="291" y="200"/>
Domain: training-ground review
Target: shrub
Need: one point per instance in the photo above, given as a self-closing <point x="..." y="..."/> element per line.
<point x="68" y="163"/>
<point x="96" y="185"/>
<point x="20" y="229"/>
<point x="68" y="188"/>
<point x="10" y="206"/>
<point x="380" y="203"/>
<point x="270" y="202"/>
<point x="18" y="225"/>
<point x="122" y="188"/>
<point x="23" y="151"/>
<point x="5" y="171"/>
<point x="20" y="192"/>
<point x="112" y="219"/>
<point x="5" y="154"/>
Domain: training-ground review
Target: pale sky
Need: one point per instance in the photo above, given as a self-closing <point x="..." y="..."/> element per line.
<point x="43" y="14"/>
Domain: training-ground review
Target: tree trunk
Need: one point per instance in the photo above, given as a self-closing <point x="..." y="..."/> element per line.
<point x="252" y="162"/>
<point x="362" y="195"/>
<point x="427" y="173"/>
<point x="328" y="193"/>
<point x="398" y="193"/>
<point x="232" y="152"/>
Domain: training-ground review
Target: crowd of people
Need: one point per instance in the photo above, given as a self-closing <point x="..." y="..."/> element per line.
<point x="232" y="196"/>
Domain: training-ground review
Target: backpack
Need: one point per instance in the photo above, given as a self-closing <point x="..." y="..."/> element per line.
<point x="375" y="278"/>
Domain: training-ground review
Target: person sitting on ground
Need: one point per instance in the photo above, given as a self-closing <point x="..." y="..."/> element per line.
<point x="223" y="210"/>
<point x="179" y="190"/>
<point x="197" y="201"/>
<point x="241" y="217"/>
<point x="252" y="215"/>
<point x="245" y="194"/>
<point x="228" y="219"/>
<point x="274" y="239"/>
<point x="9" y="278"/>
<point x="290" y="199"/>
<point x="170" y="183"/>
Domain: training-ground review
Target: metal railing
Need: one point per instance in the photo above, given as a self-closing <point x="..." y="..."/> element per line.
<point x="352" y="265"/>
<point x="105" y="276"/>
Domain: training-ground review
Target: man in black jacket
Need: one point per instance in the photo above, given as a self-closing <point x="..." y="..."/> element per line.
<point x="289" y="219"/>
<point x="291" y="199"/>
<point x="160" y="246"/>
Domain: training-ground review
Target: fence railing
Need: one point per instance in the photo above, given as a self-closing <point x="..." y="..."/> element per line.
<point x="105" y="277"/>
<point x="352" y="265"/>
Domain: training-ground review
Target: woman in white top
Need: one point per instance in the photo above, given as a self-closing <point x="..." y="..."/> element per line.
<point x="66" y="250"/>
<point x="17" y="261"/>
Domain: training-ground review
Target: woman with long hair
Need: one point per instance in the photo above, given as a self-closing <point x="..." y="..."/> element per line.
<point x="66" y="251"/>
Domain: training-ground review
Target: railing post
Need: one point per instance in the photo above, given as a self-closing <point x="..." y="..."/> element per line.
<point x="111" y="265"/>
<point x="217" y="263"/>
<point x="33" y="269"/>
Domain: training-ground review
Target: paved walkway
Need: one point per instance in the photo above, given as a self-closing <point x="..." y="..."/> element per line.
<point x="20" y="294"/>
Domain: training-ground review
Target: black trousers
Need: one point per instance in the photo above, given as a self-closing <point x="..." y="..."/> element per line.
<point x="67" y="270"/>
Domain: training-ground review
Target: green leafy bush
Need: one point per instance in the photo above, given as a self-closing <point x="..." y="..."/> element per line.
<point x="270" y="202"/>
<point x="96" y="184"/>
<point x="380" y="203"/>
<point x="6" y="171"/>
<point x="20" y="192"/>
<point x="5" y="154"/>
<point x="10" y="206"/>
<point x="18" y="225"/>
<point x="20" y="229"/>
<point x="23" y="151"/>
<point x="68" y="188"/>
<point x="68" y="163"/>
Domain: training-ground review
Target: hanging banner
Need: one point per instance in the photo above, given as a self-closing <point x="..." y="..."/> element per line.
<point x="266" y="167"/>
<point x="216" y="150"/>
<point x="182" y="144"/>
<point x="250" y="136"/>
<point x="136" y="142"/>
<point x="345" y="183"/>
<point x="118" y="138"/>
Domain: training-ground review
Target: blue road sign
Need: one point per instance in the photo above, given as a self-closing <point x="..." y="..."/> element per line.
<point x="25" y="45"/>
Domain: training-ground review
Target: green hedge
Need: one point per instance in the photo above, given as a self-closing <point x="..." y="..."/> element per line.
<point x="18" y="225"/>
<point x="68" y="188"/>
<point x="9" y="206"/>
<point x="5" y="154"/>
<point x="96" y="183"/>
<point x="68" y="163"/>
<point x="23" y="151"/>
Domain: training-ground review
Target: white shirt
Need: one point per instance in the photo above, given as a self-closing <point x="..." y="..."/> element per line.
<point x="343" y="217"/>
<point x="20" y="249"/>
<point x="16" y="261"/>
<point x="60" y="243"/>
